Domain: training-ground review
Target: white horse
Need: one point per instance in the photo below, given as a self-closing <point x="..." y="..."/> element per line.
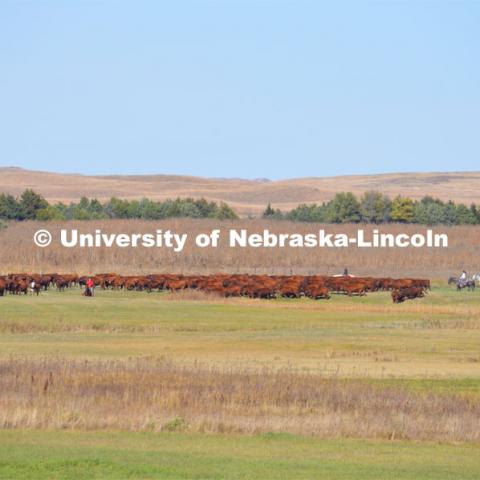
<point x="476" y="277"/>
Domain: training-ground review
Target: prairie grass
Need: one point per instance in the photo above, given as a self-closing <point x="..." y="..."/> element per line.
<point x="19" y="253"/>
<point x="158" y="395"/>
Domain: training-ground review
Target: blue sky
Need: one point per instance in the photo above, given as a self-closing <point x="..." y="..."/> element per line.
<point x="240" y="88"/>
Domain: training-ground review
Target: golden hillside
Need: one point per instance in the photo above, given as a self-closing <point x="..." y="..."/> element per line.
<point x="248" y="197"/>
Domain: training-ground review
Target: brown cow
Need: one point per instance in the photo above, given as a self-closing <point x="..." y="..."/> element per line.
<point x="410" y="293"/>
<point x="317" y="292"/>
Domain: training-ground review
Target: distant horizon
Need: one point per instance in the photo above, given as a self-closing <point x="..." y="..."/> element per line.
<point x="257" y="179"/>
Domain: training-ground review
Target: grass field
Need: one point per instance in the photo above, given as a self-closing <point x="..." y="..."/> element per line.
<point x="138" y="385"/>
<point x="114" y="455"/>
<point x="436" y="337"/>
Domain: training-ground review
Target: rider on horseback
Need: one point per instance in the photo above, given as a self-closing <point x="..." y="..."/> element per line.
<point x="464" y="282"/>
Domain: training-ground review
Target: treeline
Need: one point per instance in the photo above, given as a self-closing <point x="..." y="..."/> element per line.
<point x="373" y="207"/>
<point x="32" y="206"/>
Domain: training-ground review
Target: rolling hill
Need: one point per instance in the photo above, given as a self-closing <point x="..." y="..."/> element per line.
<point x="247" y="197"/>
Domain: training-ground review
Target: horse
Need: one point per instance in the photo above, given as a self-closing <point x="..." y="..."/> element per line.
<point x="469" y="284"/>
<point x="476" y="277"/>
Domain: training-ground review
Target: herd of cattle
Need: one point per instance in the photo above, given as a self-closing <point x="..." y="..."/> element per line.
<point x="235" y="285"/>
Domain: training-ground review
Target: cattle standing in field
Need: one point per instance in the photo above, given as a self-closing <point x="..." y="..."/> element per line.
<point x="227" y="285"/>
<point x="318" y="292"/>
<point x="21" y="287"/>
<point x="61" y="284"/>
<point x="232" y="291"/>
<point x="399" y="296"/>
<point x="355" y="288"/>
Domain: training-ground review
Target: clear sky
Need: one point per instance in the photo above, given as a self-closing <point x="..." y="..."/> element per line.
<point x="247" y="89"/>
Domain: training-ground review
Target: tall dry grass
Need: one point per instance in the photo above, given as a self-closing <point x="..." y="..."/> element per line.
<point x="18" y="252"/>
<point x="148" y="394"/>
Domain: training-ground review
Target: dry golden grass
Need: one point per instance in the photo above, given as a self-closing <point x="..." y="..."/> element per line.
<point x="19" y="253"/>
<point x="143" y="394"/>
<point x="248" y="197"/>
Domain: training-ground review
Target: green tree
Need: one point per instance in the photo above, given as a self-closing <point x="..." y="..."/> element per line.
<point x="206" y="209"/>
<point x="84" y="203"/>
<point x="308" y="213"/>
<point x="403" y="210"/>
<point x="151" y="210"/>
<point x="450" y="214"/>
<point x="117" y="208"/>
<point x="10" y="208"/>
<point x="269" y="211"/>
<point x="187" y="208"/>
<point x="80" y="213"/>
<point x="428" y="213"/>
<point x="475" y="213"/>
<point x="275" y="214"/>
<point x="344" y="208"/>
<point x="225" y="212"/>
<point x="465" y="216"/>
<point x="30" y="203"/>
<point x="52" y="212"/>
<point x="375" y="207"/>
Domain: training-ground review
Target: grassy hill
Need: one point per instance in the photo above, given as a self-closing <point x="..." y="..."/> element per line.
<point x="248" y="197"/>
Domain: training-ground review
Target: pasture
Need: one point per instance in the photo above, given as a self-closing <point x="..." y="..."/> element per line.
<point x="236" y="382"/>
<point x="173" y="456"/>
